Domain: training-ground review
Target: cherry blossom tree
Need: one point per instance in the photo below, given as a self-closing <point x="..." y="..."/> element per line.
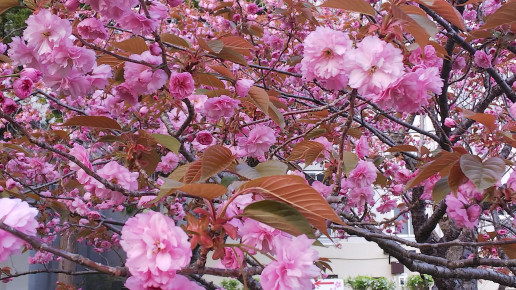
<point x="194" y="121"/>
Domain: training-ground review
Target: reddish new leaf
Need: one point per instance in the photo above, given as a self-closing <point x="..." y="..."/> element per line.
<point x="446" y="10"/>
<point x="93" y="121"/>
<point x="215" y="159"/>
<point x="504" y="15"/>
<point x="359" y="6"/>
<point x="440" y="164"/>
<point x="294" y="191"/>
<point x="307" y="150"/>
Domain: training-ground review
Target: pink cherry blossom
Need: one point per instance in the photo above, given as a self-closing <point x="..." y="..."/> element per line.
<point x="168" y="163"/>
<point x="142" y="79"/>
<point x="22" y="87"/>
<point x="461" y="211"/>
<point x="174" y="3"/>
<point x="258" y="235"/>
<point x="179" y="282"/>
<point x="258" y="142"/>
<point x="410" y="92"/>
<point x="9" y="106"/>
<point x="92" y="28"/>
<point x="156" y="248"/>
<point x="45" y="30"/>
<point x="219" y="107"/>
<point x="294" y="265"/>
<point x="429" y="59"/>
<point x="113" y="9"/>
<point x="359" y="196"/>
<point x="33" y="74"/>
<point x="204" y="138"/>
<point x="125" y="93"/>
<point x="100" y="75"/>
<point x="324" y="56"/>
<point x="181" y="85"/>
<point x="373" y="66"/>
<point x="482" y="60"/>
<point x="20" y="216"/>
<point x="364" y="174"/>
<point x="362" y="148"/>
<point x="21" y="54"/>
<point x="242" y="87"/>
<point x="449" y="122"/>
<point x="233" y="258"/>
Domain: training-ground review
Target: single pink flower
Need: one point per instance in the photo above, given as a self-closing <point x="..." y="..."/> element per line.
<point x="482" y="59"/>
<point x="449" y="122"/>
<point x="179" y="282"/>
<point x="294" y="265"/>
<point x="258" y="235"/>
<point x="168" y="163"/>
<point x="20" y="216"/>
<point x="141" y="78"/>
<point x="324" y="57"/>
<point x="233" y="258"/>
<point x="259" y="141"/>
<point x="91" y="29"/>
<point x="219" y="107"/>
<point x="373" y="66"/>
<point x="156" y="248"/>
<point x="100" y="75"/>
<point x="204" y="138"/>
<point x="362" y="148"/>
<point x="9" y="106"/>
<point x="181" y="85"/>
<point x="410" y="92"/>
<point x="45" y="30"/>
<point x="33" y="74"/>
<point x="22" y="87"/>
<point x="174" y="3"/>
<point x="364" y="174"/>
<point x="125" y="93"/>
<point x="460" y="210"/>
<point x="242" y="87"/>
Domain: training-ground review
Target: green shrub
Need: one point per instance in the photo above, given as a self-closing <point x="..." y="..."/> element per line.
<point x="232" y="284"/>
<point x="382" y="284"/>
<point x="364" y="283"/>
<point x="415" y="282"/>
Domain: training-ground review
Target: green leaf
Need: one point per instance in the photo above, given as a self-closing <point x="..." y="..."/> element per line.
<point x="483" y="175"/>
<point x="169" y="142"/>
<point x="93" y="121"/>
<point x="350" y="161"/>
<point x="441" y="189"/>
<point x="280" y="216"/>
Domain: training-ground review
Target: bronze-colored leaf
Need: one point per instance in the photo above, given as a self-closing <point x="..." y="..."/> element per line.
<point x="93" y="121"/>
<point x="359" y="6"/>
<point x="209" y="80"/>
<point x="482" y="174"/>
<point x="174" y="39"/>
<point x="294" y="191"/>
<point x="223" y="71"/>
<point x="134" y="45"/>
<point x="446" y="10"/>
<point x="487" y="120"/>
<point x="6" y="4"/>
<point x="215" y="159"/>
<point x="456" y="177"/>
<point x="402" y="148"/>
<point x="231" y="55"/>
<point x="238" y="44"/>
<point x="307" y="150"/>
<point x="446" y="160"/>
<point x="504" y="15"/>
